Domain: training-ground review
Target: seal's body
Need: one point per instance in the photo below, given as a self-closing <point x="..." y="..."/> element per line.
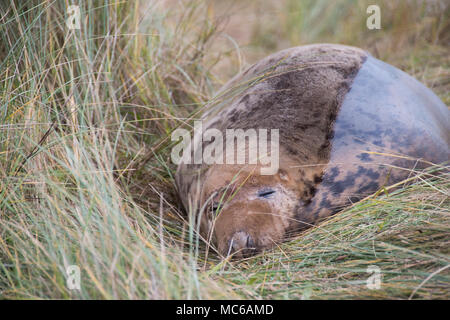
<point x="348" y="125"/>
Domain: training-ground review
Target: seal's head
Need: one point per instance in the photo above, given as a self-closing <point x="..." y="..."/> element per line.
<point x="245" y="210"/>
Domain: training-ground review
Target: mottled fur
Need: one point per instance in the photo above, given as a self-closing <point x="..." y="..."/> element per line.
<point x="323" y="164"/>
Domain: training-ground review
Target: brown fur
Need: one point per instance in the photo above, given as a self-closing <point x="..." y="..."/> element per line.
<point x="300" y="91"/>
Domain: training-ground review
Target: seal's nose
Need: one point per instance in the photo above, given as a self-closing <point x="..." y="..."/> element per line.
<point x="241" y="244"/>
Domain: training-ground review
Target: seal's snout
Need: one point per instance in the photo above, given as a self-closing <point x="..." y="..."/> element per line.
<point x="241" y="244"/>
<point x="245" y="227"/>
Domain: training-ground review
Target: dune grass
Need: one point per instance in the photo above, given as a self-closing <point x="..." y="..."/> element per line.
<point x="404" y="234"/>
<point x="85" y="171"/>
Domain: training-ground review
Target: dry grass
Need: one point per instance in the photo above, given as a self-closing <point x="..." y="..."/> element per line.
<point x="85" y="168"/>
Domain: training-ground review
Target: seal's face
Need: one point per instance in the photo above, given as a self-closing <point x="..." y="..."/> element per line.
<point x="247" y="211"/>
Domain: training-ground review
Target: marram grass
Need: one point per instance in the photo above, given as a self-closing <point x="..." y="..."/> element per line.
<point x="86" y="177"/>
<point x="404" y="233"/>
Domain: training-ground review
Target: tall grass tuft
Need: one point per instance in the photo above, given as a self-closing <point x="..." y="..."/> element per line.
<point x="78" y="108"/>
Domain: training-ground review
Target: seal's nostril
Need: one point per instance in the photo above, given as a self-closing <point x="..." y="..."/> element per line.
<point x="250" y="242"/>
<point x="241" y="242"/>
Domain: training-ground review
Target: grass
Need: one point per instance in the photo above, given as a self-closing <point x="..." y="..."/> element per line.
<point x="86" y="177"/>
<point x="405" y="234"/>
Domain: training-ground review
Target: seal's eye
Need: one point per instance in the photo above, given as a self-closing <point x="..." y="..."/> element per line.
<point x="266" y="193"/>
<point x="215" y="206"/>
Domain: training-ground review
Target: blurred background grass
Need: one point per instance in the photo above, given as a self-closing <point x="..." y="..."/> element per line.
<point x="414" y="35"/>
<point x="86" y="177"/>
